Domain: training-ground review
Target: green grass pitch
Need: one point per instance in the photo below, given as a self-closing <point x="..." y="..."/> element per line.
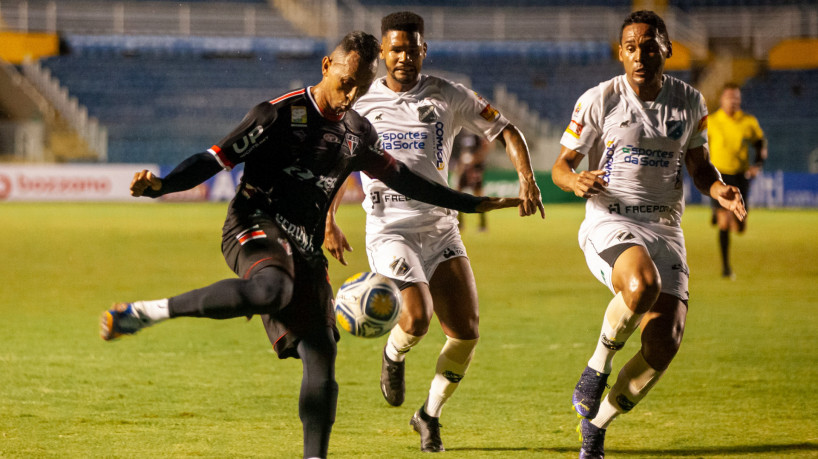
<point x="743" y="384"/>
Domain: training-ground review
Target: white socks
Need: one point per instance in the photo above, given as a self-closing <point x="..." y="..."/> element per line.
<point x="155" y="311"/>
<point x="635" y="380"/>
<point x="617" y="326"/>
<point x="452" y="364"/>
<point x="399" y="343"/>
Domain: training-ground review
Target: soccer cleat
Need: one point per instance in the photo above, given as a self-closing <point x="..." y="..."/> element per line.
<point x="393" y="386"/>
<point x="121" y="319"/>
<point x="588" y="392"/>
<point x="429" y="429"/>
<point x="593" y="440"/>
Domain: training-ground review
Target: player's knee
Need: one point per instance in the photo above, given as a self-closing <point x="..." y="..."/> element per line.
<point x="269" y="290"/>
<point x="418" y="326"/>
<point x="642" y="291"/>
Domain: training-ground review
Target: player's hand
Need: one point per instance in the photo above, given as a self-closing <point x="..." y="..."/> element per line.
<point x="336" y="242"/>
<point x="492" y="203"/>
<point x="142" y="180"/>
<point x="752" y="172"/>
<point x="589" y="183"/>
<point x="730" y="198"/>
<point x="531" y="197"/>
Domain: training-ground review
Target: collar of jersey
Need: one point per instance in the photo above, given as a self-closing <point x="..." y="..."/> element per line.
<point x="317" y="109"/>
<point x="410" y="95"/>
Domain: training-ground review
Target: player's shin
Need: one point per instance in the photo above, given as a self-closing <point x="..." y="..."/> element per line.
<point x="452" y="364"/>
<point x="635" y="380"/>
<point x="399" y="343"/>
<point x="617" y="326"/>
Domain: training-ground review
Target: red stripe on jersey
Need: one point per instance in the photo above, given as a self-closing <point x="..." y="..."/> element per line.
<point x="250" y="270"/>
<point x="217" y="152"/>
<point x="288" y="95"/>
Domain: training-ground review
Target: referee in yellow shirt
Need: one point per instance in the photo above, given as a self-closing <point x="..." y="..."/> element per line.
<point x="731" y="132"/>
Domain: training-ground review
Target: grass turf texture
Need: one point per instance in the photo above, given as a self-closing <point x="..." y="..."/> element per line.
<point x="741" y="386"/>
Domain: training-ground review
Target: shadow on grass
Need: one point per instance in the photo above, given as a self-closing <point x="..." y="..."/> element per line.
<point x="713" y="450"/>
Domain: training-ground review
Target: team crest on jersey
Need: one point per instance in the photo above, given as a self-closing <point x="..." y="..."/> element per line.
<point x="426" y="114"/>
<point x="577" y="109"/>
<point x="352" y="144"/>
<point x="399" y="267"/>
<point x="298" y="115"/>
<point x="675" y="129"/>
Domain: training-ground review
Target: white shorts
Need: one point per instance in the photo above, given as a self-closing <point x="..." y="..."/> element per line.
<point x="411" y="256"/>
<point x="603" y="241"/>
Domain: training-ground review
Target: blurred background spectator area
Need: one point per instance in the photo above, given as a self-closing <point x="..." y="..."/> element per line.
<point x="155" y="81"/>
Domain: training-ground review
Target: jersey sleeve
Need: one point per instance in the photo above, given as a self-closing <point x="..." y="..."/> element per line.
<point x="698" y="136"/>
<point x="758" y="134"/>
<point x="253" y="131"/>
<point x="375" y="161"/>
<point x="475" y="113"/>
<point x="584" y="129"/>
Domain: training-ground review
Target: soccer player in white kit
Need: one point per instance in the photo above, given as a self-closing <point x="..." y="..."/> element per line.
<point x="638" y="131"/>
<point x="417" y="117"/>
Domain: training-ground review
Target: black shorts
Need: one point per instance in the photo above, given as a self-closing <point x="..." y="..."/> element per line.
<point x="739" y="181"/>
<point x="255" y="242"/>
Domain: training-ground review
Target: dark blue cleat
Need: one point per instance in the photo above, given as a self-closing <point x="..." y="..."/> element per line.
<point x="588" y="392"/>
<point x="593" y="440"/>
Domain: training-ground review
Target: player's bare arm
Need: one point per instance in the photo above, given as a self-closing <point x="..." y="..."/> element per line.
<point x="334" y="239"/>
<point x="583" y="184"/>
<point x="518" y="153"/>
<point x="708" y="180"/>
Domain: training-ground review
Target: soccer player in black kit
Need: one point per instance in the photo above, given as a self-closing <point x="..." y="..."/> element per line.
<point x="297" y="149"/>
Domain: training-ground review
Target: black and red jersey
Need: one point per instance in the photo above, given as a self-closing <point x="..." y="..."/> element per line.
<point x="295" y="160"/>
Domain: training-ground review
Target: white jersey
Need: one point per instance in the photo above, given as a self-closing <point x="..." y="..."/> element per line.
<point x="418" y="128"/>
<point x="641" y="146"/>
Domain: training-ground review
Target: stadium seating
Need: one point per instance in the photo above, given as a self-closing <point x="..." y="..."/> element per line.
<point x="786" y="105"/>
<point x="162" y="105"/>
<point x="174" y="96"/>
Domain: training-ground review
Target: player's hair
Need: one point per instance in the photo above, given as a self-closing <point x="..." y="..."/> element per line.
<point x="364" y="44"/>
<point x="405" y="21"/>
<point x="730" y="85"/>
<point x="646" y="17"/>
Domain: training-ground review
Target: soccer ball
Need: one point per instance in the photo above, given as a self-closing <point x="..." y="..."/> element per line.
<point x="367" y="305"/>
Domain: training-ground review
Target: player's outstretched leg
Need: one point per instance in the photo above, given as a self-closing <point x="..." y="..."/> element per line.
<point x="429" y="429"/>
<point x="588" y="392"/>
<point x="124" y="319"/>
<point x="593" y="440"/>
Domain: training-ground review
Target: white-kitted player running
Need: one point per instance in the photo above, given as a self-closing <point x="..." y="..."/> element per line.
<point x="417" y="117"/>
<point x="638" y="130"/>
